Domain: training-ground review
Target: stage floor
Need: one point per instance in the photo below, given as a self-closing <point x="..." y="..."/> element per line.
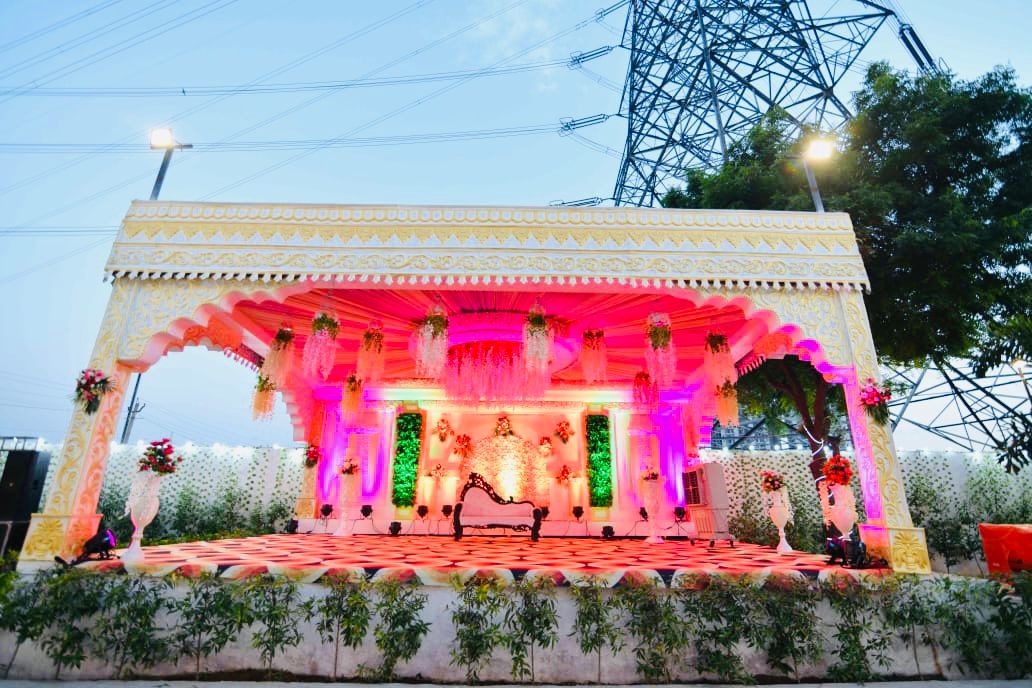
<point x="434" y="560"/>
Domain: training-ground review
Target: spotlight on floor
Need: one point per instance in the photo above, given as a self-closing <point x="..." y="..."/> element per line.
<point x="422" y="510"/>
<point x="578" y="511"/>
<point x="544" y="512"/>
<point x="326" y="510"/>
<point x="367" y="510"/>
<point x="446" y="510"/>
<point x="395" y="527"/>
<point x="608" y="533"/>
<point x="643" y="513"/>
<point x="291" y="526"/>
<point x="679" y="513"/>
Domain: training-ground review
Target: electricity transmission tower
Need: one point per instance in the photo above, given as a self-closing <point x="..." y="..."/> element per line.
<point x="702" y="73"/>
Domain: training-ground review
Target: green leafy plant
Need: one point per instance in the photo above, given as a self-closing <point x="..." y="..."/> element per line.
<point x="862" y="647"/>
<point x="908" y="609"/>
<point x="660" y="638"/>
<point x="400" y="627"/>
<point x="595" y="625"/>
<point x="126" y="631"/>
<point x="718" y="613"/>
<point x="74" y="597"/>
<point x="408" y="442"/>
<point x="273" y="609"/>
<point x="25" y="611"/>
<point x="208" y="617"/>
<point x="1011" y="615"/>
<point x="962" y="616"/>
<point x="477" y="618"/>
<point x="600" y="465"/>
<point x="342" y="614"/>
<point x="531" y="620"/>
<point x="785" y="624"/>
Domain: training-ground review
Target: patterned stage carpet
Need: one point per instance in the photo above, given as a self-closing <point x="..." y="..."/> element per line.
<point x="434" y="560"/>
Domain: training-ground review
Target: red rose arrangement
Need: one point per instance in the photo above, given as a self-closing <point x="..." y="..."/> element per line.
<point x="160" y="457"/>
<point x="875" y="400"/>
<point x="771" y="481"/>
<point x="349" y="468"/>
<point x="312" y="456"/>
<point x="443" y="429"/>
<point x="838" y="470"/>
<point x="545" y="445"/>
<point x="565" y="474"/>
<point x="503" y="427"/>
<point x="563" y="431"/>
<point x="463" y="446"/>
<point x="90" y="387"/>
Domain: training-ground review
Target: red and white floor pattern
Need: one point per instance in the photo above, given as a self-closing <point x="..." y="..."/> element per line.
<point x="435" y="560"/>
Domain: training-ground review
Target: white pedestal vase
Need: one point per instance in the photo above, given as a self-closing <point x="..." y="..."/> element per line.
<point x="843" y="511"/>
<point x="652" y="495"/>
<point x="780" y="513"/>
<point x="347" y="499"/>
<point x="141" y="506"/>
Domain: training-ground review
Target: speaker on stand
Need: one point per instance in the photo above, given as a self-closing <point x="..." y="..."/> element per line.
<point x="21" y="487"/>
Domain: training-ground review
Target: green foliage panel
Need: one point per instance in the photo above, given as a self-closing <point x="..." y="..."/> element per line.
<point x="600" y="461"/>
<point x="407" y="444"/>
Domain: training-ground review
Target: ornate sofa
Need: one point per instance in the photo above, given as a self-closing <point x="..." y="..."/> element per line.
<point x="481" y="508"/>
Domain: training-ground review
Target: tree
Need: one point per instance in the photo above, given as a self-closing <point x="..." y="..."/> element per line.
<point x="933" y="171"/>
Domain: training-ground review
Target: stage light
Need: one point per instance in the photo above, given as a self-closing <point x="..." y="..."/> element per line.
<point x="679" y="513"/>
<point x="422" y="510"/>
<point x="544" y="513"/>
<point x="608" y="533"/>
<point x="326" y="510"/>
<point x="367" y="510"/>
<point x="161" y="138"/>
<point x="395" y="527"/>
<point x="578" y="511"/>
<point x="643" y="513"/>
<point x="291" y="526"/>
<point x="447" y="510"/>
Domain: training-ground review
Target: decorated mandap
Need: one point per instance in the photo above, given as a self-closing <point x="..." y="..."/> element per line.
<point x="573" y="359"/>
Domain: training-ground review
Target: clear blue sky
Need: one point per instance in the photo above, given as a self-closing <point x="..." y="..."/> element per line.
<point x="52" y="296"/>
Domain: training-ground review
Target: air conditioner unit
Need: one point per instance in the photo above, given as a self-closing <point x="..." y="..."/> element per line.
<point x="705" y="498"/>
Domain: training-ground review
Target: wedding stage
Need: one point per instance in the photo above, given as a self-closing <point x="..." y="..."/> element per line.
<point x="434" y="560"/>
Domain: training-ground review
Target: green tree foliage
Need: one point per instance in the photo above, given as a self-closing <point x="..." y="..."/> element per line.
<point x="531" y="620"/>
<point x="660" y="636"/>
<point x="25" y="611"/>
<point x="210" y="616"/>
<point x="595" y="625"/>
<point x="934" y="172"/>
<point x="342" y="615"/>
<point x="126" y="631"/>
<point x="477" y="616"/>
<point x="400" y="627"/>
<point x="273" y="609"/>
<point x="73" y="599"/>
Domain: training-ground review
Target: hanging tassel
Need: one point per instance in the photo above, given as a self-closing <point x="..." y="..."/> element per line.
<point x="660" y="355"/>
<point x="432" y="343"/>
<point x="278" y="363"/>
<point x="727" y="405"/>
<point x="351" y="399"/>
<point x="264" y="401"/>
<point x="594" y="360"/>
<point x="370" y="354"/>
<point x="537" y="349"/>
<point x="717" y="361"/>
<point x="318" y="355"/>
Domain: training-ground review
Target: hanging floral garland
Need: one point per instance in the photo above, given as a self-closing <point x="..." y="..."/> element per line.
<point x="646" y="393"/>
<point x="593" y="356"/>
<point x="545" y="446"/>
<point x="444" y="430"/>
<point x="351" y="397"/>
<point x="875" y="400"/>
<point x="370" y="353"/>
<point x="264" y="401"/>
<point x="503" y="428"/>
<point x="317" y="357"/>
<point x="90" y="388"/>
<point x="432" y="343"/>
<point x="280" y="359"/>
<point x="717" y="361"/>
<point x="727" y="405"/>
<point x="463" y="446"/>
<point x="159" y="457"/>
<point x="564" y="431"/>
<point x="660" y="355"/>
<point x="537" y="348"/>
<point x="312" y="456"/>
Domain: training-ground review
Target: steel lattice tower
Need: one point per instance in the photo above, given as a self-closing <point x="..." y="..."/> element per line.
<point x="702" y="73"/>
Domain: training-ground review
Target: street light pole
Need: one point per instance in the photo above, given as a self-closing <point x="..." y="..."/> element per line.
<point x="160" y="139"/>
<point x="817" y="149"/>
<point x="815" y="193"/>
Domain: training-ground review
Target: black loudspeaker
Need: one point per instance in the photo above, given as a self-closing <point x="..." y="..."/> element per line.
<point x="21" y="487"/>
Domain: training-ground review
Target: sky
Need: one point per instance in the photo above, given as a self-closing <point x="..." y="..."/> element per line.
<point x="61" y="209"/>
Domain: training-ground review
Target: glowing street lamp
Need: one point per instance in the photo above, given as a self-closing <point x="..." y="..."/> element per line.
<point x="817" y="150"/>
<point x="162" y="139"/>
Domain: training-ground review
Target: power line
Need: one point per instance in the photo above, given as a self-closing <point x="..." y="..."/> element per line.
<point x="53" y="261"/>
<point x="57" y="25"/>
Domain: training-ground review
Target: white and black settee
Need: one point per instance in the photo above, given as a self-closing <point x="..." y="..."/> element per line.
<point x="480" y="507"/>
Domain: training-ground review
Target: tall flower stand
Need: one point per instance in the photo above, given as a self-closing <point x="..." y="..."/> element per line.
<point x="652" y="495"/>
<point x="141" y="506"/>
<point x="843" y="511"/>
<point x="347" y="498"/>
<point x="780" y="513"/>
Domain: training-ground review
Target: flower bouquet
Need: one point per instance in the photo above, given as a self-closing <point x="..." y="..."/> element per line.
<point x="563" y="431"/>
<point x="349" y="468"/>
<point x="312" y="456"/>
<point x="436" y="472"/>
<point x="875" y="400"/>
<point x="837" y="470"/>
<point x="444" y="429"/>
<point x="545" y="446"/>
<point x="565" y="475"/>
<point x="463" y="446"/>
<point x="771" y="481"/>
<point x="160" y="458"/>
<point x="90" y="387"/>
<point x="503" y="428"/>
